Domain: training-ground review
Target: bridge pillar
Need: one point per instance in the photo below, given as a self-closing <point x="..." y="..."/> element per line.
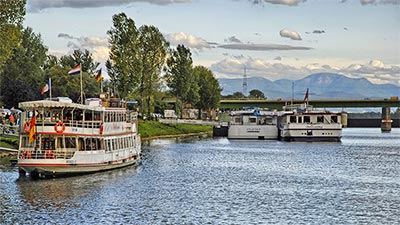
<point x="344" y="119"/>
<point x="386" y="124"/>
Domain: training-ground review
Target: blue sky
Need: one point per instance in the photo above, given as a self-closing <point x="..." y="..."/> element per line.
<point x="274" y="39"/>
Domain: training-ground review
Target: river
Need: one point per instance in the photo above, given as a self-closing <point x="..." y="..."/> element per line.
<point x="202" y="180"/>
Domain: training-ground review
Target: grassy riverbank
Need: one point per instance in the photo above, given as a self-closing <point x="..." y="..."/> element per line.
<point x="152" y="129"/>
<point x="148" y="130"/>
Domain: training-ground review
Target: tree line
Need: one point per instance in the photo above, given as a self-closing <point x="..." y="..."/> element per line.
<point x="141" y="65"/>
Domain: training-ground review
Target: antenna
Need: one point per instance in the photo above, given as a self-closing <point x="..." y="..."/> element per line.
<point x="245" y="82"/>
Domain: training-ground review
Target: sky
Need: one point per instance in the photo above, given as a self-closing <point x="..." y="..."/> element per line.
<point x="273" y="39"/>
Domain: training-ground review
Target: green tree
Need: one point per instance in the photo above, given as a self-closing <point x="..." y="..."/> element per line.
<point x="255" y="93"/>
<point x="123" y="60"/>
<point x="238" y="95"/>
<point x="23" y="74"/>
<point x="210" y="91"/>
<point x="11" y="17"/>
<point x="152" y="51"/>
<point x="180" y="78"/>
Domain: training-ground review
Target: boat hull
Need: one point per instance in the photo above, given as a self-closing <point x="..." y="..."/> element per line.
<point x="257" y="132"/>
<point x="54" y="168"/>
<point x="310" y="134"/>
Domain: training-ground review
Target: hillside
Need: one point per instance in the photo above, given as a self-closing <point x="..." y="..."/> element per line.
<point x="321" y="86"/>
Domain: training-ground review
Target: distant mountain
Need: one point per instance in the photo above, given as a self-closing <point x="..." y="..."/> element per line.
<point x="321" y="86"/>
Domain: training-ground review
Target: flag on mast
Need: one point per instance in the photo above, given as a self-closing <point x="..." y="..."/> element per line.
<point x="306" y="96"/>
<point x="98" y="76"/>
<point x="32" y="128"/>
<point x="46" y="87"/>
<point x="76" y="70"/>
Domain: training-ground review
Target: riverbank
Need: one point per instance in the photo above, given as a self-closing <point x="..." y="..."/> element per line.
<point x="148" y="130"/>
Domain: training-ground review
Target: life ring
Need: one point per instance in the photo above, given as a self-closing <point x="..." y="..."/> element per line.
<point x="27" y="127"/>
<point x="26" y="155"/>
<point x="59" y="127"/>
<point x="49" y="154"/>
<point x="101" y="129"/>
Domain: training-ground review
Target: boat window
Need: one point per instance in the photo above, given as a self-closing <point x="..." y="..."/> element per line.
<point x="307" y="119"/>
<point x="334" y="119"/>
<point x="47" y="143"/>
<point x="293" y="119"/>
<point x="67" y="115"/>
<point x="320" y="119"/>
<point x="70" y="142"/>
<point x="78" y="114"/>
<point x="252" y="120"/>
<point x="60" y="143"/>
<point x="55" y="115"/>
<point x="97" y="115"/>
<point x="25" y="142"/>
<point x="88" y="115"/>
<point x="300" y="119"/>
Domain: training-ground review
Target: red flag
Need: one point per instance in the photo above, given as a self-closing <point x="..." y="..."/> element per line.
<point x="32" y="129"/>
<point x="306" y="96"/>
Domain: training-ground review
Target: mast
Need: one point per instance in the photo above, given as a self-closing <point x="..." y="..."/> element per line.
<point x="50" y="87"/>
<point x="80" y="65"/>
<point x="244" y="82"/>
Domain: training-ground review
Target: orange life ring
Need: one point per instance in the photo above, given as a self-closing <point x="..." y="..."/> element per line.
<point x="49" y="154"/>
<point x="27" y="127"/>
<point x="26" y="154"/>
<point x="101" y="129"/>
<point x="59" y="127"/>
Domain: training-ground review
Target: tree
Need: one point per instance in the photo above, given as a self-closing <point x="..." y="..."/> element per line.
<point x="11" y="17"/>
<point x="238" y="95"/>
<point x="210" y="91"/>
<point x="255" y="93"/>
<point x="122" y="64"/>
<point x="179" y="76"/>
<point x="152" y="51"/>
<point x="23" y="74"/>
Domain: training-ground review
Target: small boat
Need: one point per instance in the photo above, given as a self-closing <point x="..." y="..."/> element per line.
<point x="62" y="138"/>
<point x="253" y="123"/>
<point x="302" y="122"/>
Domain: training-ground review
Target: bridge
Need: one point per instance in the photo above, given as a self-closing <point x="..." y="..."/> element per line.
<point x="278" y="104"/>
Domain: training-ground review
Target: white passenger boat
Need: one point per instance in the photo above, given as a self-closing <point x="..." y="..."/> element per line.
<point x="303" y="123"/>
<point x="252" y="123"/>
<point x="59" y="138"/>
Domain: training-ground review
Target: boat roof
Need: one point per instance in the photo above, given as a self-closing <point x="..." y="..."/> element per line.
<point x="56" y="104"/>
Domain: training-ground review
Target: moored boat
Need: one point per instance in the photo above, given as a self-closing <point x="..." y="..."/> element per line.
<point x="61" y="138"/>
<point x="304" y="123"/>
<point x="253" y="123"/>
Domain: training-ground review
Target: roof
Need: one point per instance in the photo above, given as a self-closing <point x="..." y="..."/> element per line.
<point x="55" y="104"/>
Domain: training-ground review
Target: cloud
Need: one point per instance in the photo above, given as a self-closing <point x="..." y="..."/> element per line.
<point x="375" y="71"/>
<point x="280" y="2"/>
<point x="318" y="31"/>
<point x="290" y="34"/>
<point x="39" y="5"/>
<point x="262" y="47"/>
<point x="379" y="2"/>
<point x="233" y="39"/>
<point x="187" y="40"/>
<point x="98" y="46"/>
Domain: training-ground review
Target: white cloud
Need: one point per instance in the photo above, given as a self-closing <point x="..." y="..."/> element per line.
<point x="187" y="40"/>
<point x="98" y="46"/>
<point x="375" y="71"/>
<point x="38" y="5"/>
<point x="376" y="2"/>
<point x="280" y="2"/>
<point x="290" y="34"/>
<point x="262" y="47"/>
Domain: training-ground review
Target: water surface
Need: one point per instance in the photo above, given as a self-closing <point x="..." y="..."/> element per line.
<point x="218" y="181"/>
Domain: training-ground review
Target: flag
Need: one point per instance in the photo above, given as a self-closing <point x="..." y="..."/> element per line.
<point x="47" y="87"/>
<point x="32" y="129"/>
<point x="98" y="76"/>
<point x="306" y="96"/>
<point x="75" y="70"/>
